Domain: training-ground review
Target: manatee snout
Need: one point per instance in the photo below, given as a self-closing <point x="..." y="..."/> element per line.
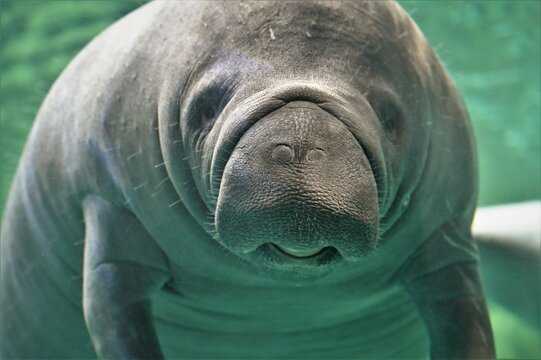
<point x="299" y="189"/>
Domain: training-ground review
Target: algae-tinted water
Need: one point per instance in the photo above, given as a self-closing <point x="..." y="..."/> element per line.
<point x="491" y="49"/>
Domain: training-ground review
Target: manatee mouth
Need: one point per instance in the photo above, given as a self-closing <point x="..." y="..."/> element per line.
<point x="283" y="257"/>
<point x="301" y="254"/>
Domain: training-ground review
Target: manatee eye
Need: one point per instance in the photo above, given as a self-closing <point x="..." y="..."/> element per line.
<point x="209" y="104"/>
<point x="390" y="112"/>
<point x="204" y="102"/>
<point x="208" y="114"/>
<point x="206" y="108"/>
<point x="388" y="117"/>
<point x="391" y="119"/>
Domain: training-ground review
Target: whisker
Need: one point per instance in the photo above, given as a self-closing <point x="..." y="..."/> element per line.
<point x="175" y="203"/>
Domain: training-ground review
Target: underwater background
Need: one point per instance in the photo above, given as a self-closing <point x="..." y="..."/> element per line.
<point x="491" y="48"/>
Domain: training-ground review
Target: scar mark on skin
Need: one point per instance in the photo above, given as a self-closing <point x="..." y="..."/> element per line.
<point x="272" y="36"/>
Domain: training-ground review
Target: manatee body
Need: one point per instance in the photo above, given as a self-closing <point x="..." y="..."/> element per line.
<point x="247" y="180"/>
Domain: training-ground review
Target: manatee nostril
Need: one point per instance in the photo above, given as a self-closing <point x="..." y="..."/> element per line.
<point x="315" y="155"/>
<point x="282" y="153"/>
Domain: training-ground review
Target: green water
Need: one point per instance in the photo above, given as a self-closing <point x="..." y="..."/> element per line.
<point x="491" y="49"/>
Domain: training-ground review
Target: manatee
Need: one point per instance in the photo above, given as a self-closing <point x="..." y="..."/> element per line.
<point x="247" y="180"/>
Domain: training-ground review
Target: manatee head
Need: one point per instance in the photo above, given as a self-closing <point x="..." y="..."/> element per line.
<point x="303" y="124"/>
<point x="298" y="189"/>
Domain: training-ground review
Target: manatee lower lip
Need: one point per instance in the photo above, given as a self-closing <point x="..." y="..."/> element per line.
<point x="298" y="253"/>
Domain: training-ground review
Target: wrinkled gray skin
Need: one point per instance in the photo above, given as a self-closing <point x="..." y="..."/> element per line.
<point x="255" y="180"/>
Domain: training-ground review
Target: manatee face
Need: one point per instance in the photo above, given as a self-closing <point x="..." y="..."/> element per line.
<point x="300" y="147"/>
<point x="298" y="190"/>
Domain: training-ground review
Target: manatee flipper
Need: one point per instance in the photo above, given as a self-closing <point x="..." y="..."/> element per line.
<point x="122" y="268"/>
<point x="452" y="305"/>
<point x="509" y="241"/>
